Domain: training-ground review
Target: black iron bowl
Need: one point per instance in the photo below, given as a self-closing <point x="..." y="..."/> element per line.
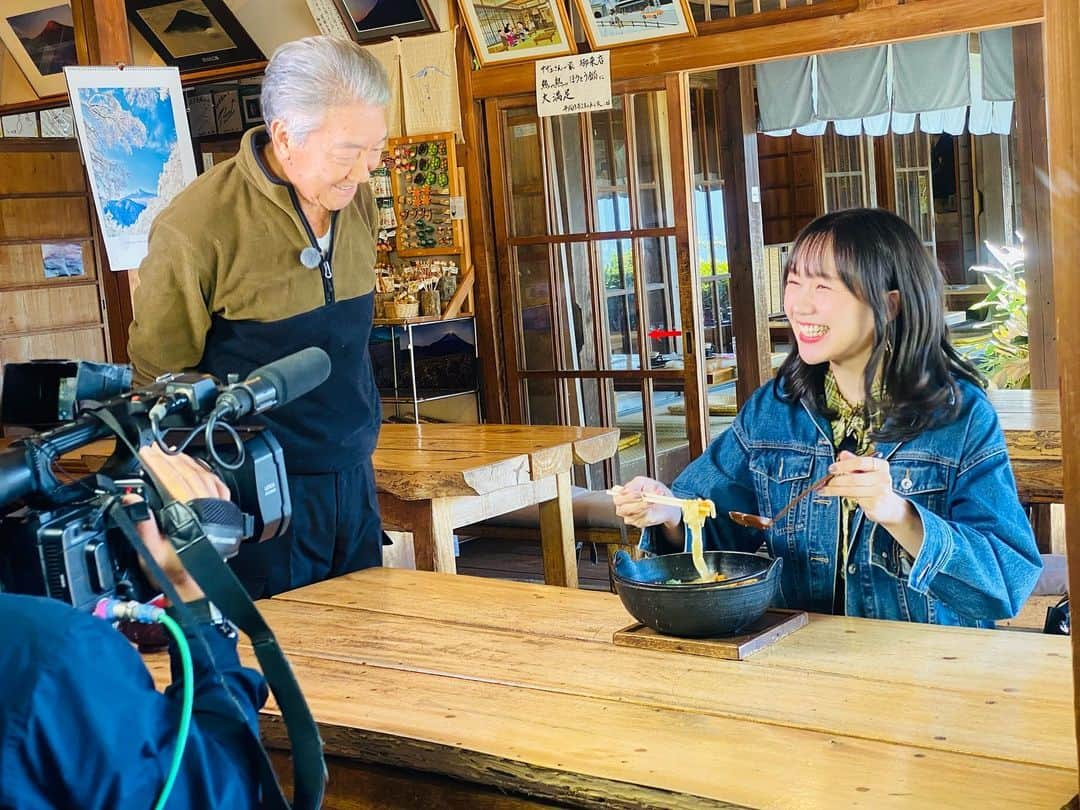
<point x="706" y="610"/>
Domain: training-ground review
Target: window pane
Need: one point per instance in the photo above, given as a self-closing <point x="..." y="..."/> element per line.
<point x="534" y="304"/>
<point x="540" y="402"/>
<point x="721" y="407"/>
<point x="616" y="262"/>
<point x="662" y="295"/>
<point x="524" y="168"/>
<point x="609" y="168"/>
<point x="669" y="420"/>
<point x="844" y="168"/>
<point x="567" y="175"/>
<point x="911" y="156"/>
<point x="579" y="337"/>
<point x="652" y="160"/>
<point x="711" y="236"/>
<point x="585" y="409"/>
<point x="630" y="460"/>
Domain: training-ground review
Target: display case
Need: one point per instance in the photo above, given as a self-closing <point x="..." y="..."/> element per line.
<point x="426" y="370"/>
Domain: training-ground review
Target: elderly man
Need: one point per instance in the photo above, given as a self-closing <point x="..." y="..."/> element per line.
<point x="273" y="251"/>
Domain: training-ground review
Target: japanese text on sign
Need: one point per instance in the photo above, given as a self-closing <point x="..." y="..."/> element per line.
<point x="573" y="84"/>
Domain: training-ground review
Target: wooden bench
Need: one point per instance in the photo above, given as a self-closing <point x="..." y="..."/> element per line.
<point x="595" y="521"/>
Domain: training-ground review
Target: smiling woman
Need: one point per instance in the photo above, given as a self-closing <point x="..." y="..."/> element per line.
<point x="920" y="519"/>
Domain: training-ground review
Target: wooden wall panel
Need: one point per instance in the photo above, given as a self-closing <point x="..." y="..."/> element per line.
<point x="44" y="198"/>
<point x="42" y="173"/>
<point x="81" y="344"/>
<point x="44" y="218"/>
<point x="50" y="309"/>
<point x="21" y="265"/>
<point x="790" y="195"/>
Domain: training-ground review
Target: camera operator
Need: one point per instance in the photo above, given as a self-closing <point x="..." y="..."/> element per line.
<point x="81" y="724"/>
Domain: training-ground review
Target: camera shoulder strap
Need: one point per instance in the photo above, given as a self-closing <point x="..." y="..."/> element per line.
<point x="222" y="588"/>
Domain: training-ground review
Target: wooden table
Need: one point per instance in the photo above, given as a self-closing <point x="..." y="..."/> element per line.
<point x="1031" y="421"/>
<point x="518" y="689"/>
<point x="962" y="296"/>
<point x="435" y="478"/>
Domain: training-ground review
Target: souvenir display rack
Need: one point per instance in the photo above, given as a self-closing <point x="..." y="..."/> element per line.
<point x="425" y="273"/>
<point x="423" y="346"/>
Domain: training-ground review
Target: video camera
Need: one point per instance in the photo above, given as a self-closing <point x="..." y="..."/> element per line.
<point x="61" y="541"/>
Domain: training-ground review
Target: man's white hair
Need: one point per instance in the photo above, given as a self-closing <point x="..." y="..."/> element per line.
<point x="309" y="76"/>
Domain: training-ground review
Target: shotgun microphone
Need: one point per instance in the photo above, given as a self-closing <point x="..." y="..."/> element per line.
<point x="275" y="384"/>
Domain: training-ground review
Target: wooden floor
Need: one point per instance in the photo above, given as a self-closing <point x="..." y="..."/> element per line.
<point x="520" y="560"/>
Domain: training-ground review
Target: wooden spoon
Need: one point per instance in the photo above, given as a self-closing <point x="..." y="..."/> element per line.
<point x="761" y="522"/>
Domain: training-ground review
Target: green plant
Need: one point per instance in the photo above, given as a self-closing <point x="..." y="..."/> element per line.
<point x="1005" y="356"/>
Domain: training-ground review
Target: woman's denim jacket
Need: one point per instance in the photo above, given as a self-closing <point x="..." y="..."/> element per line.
<point x="978" y="561"/>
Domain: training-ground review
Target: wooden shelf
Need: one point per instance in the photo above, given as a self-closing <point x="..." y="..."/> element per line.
<point x="407" y="321"/>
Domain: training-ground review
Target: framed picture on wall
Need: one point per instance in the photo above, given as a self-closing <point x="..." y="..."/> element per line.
<point x="370" y="20"/>
<point x="511" y="32"/>
<point x="611" y="23"/>
<point x="193" y="34"/>
<point x="40" y="35"/>
<point x="133" y="133"/>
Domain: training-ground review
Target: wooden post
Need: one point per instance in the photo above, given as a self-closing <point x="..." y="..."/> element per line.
<point x="102" y="39"/>
<point x="695" y="393"/>
<point x="1062" y="54"/>
<point x="742" y="222"/>
<point x="482" y="247"/>
<point x="1035" y="203"/>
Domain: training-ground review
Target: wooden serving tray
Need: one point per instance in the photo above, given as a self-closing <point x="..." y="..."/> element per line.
<point x="770" y="628"/>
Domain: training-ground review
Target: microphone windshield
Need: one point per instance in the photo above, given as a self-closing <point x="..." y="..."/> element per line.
<point x="310" y="258"/>
<point x="294" y="375"/>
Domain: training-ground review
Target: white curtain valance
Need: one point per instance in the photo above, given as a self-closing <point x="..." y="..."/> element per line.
<point x="852" y="84"/>
<point x="888" y="87"/>
<point x="998" y="82"/>
<point x="931" y="74"/>
<point x="789" y="82"/>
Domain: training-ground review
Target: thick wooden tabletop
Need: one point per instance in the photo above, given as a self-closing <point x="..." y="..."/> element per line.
<point x="415" y="462"/>
<point x="519" y="687"/>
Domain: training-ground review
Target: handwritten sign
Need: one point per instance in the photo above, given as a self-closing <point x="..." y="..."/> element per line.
<point x="573" y="84"/>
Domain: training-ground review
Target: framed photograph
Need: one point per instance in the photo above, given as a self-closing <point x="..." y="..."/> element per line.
<point x="20" y="125"/>
<point x="200" y="112"/>
<point x="251" y="104"/>
<point x="193" y="34"/>
<point x="611" y="23"/>
<point x="227" y="116"/>
<point x="40" y="35"/>
<point x="370" y="20"/>
<point x="57" y="123"/>
<point x="62" y="259"/>
<point x="512" y="32"/>
<point x="136" y="146"/>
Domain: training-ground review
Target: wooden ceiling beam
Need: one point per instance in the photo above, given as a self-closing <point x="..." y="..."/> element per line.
<point x="875" y="25"/>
